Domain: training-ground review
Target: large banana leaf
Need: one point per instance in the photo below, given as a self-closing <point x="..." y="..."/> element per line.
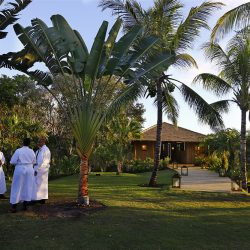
<point x="96" y="52"/>
<point x="71" y="39"/>
<point x="121" y="48"/>
<point x="109" y="45"/>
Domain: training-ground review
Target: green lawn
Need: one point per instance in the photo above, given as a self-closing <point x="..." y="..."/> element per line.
<point x="135" y="218"/>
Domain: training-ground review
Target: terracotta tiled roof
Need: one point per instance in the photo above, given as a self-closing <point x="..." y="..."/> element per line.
<point x="171" y="133"/>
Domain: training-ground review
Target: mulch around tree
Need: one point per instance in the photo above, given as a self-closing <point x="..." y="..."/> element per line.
<point x="63" y="209"/>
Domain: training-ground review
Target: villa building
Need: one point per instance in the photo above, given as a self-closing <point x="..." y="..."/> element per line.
<point x="179" y="144"/>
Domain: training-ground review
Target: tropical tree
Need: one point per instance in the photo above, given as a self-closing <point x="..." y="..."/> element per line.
<point x="234" y="78"/>
<point x="223" y="140"/>
<point x="83" y="77"/>
<point x="235" y="19"/>
<point x="8" y="16"/>
<point x="177" y="34"/>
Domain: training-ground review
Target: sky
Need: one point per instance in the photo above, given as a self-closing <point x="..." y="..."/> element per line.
<point x="86" y="17"/>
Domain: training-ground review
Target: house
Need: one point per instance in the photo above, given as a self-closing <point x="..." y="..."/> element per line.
<point x="179" y="144"/>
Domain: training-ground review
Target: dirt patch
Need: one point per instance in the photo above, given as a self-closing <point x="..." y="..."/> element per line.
<point x="63" y="209"/>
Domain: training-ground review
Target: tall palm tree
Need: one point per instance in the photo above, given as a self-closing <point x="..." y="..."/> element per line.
<point x="235" y="19"/>
<point x="8" y="16"/>
<point x="84" y="78"/>
<point x="234" y="78"/>
<point x="176" y="34"/>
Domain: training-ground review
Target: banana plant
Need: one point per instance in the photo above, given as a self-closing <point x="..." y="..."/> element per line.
<point x="8" y="16"/>
<point x="87" y="79"/>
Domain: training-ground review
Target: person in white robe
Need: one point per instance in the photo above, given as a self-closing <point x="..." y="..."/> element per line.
<point x="2" y="177"/>
<point x="21" y="188"/>
<point x="41" y="168"/>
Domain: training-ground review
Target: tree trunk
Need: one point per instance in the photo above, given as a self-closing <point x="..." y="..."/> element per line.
<point x="153" y="179"/>
<point x="243" y="165"/>
<point x="83" y="194"/>
<point x="119" y="167"/>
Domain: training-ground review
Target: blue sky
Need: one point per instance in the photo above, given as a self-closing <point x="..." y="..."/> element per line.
<point x="86" y="17"/>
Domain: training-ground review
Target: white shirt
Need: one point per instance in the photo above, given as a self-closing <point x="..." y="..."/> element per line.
<point x="22" y="156"/>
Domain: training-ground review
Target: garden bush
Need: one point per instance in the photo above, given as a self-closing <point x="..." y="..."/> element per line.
<point x="141" y="166"/>
<point x="65" y="166"/>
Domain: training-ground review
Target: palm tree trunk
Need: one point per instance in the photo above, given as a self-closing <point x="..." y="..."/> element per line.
<point x="153" y="179"/>
<point x="83" y="194"/>
<point x="243" y="149"/>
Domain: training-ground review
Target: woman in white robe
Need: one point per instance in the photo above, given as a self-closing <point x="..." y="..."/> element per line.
<point x="22" y="183"/>
<point x="41" y="168"/>
<point x="2" y="177"/>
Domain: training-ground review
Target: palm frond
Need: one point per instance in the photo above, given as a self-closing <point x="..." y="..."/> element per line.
<point x="213" y="83"/>
<point x="237" y="18"/>
<point x="170" y="106"/>
<point x="130" y="12"/>
<point x="9" y="15"/>
<point x="190" y="29"/>
<point x="185" y="61"/>
<point x="215" y="53"/>
<point x="129" y="94"/>
<point x="221" y="106"/>
<point x="205" y="112"/>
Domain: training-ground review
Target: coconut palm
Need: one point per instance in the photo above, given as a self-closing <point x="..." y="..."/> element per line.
<point x="234" y="78"/>
<point x="176" y="34"/>
<point x="87" y="80"/>
<point x="235" y="19"/>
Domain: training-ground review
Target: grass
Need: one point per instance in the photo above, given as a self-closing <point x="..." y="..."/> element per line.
<point x="135" y="218"/>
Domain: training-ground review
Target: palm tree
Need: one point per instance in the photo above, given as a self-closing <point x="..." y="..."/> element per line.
<point x="165" y="21"/>
<point x="8" y="16"/>
<point x="87" y="80"/>
<point x="235" y="19"/>
<point x="234" y="78"/>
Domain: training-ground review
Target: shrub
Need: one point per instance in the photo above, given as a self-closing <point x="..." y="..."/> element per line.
<point x="213" y="162"/>
<point x="199" y="160"/>
<point x="224" y="161"/>
<point x="235" y="174"/>
<point x="65" y="166"/>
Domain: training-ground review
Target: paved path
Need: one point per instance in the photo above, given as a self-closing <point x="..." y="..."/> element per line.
<point x="204" y="180"/>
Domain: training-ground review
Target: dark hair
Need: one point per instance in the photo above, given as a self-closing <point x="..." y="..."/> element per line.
<point x="26" y="141"/>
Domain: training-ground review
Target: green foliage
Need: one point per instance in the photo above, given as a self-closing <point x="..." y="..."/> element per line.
<point x="113" y="142"/>
<point x="213" y="162"/>
<point x="141" y="166"/>
<point x="235" y="174"/>
<point x="234" y="19"/>
<point x="199" y="161"/>
<point x="224" y="161"/>
<point x="9" y="15"/>
<point x="65" y="166"/>
<point x="234" y="76"/>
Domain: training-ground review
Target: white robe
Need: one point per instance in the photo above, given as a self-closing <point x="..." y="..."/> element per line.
<point x="40" y="187"/>
<point x="2" y="176"/>
<point x="22" y="183"/>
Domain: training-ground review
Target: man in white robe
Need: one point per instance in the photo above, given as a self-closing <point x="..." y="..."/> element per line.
<point x="41" y="168"/>
<point x="21" y="188"/>
<point x="2" y="177"/>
